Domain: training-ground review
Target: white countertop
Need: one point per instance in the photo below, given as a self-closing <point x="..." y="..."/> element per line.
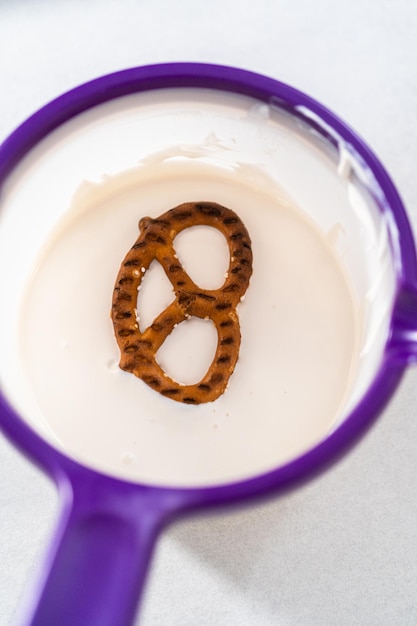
<point x="343" y="549"/>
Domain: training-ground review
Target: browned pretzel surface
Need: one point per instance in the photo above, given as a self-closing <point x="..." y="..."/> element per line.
<point x="155" y="241"/>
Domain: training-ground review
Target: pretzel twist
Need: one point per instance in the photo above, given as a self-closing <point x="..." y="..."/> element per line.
<point x="155" y="241"/>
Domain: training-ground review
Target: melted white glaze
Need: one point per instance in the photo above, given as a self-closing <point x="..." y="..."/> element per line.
<point x="312" y="334"/>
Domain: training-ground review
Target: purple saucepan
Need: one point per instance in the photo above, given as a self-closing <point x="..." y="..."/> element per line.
<point x="98" y="559"/>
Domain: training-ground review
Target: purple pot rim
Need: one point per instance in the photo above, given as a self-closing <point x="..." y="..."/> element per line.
<point x="237" y="81"/>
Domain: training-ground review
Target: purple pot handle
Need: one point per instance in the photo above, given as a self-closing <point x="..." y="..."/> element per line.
<point x="96" y="568"/>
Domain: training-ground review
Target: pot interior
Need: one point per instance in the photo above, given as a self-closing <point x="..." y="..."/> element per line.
<point x="314" y="320"/>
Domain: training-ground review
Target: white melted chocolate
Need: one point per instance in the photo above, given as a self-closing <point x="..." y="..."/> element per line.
<point x="302" y="323"/>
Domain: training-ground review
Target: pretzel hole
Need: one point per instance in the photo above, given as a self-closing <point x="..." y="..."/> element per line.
<point x="188" y="351"/>
<point x="155" y="294"/>
<point x="204" y="254"/>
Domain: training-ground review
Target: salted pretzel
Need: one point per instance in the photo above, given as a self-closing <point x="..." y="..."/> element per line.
<point x="156" y="241"/>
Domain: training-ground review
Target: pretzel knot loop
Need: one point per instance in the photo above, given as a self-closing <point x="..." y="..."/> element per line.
<point x="156" y="241"/>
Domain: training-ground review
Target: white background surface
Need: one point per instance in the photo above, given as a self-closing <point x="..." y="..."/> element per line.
<point x="342" y="550"/>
